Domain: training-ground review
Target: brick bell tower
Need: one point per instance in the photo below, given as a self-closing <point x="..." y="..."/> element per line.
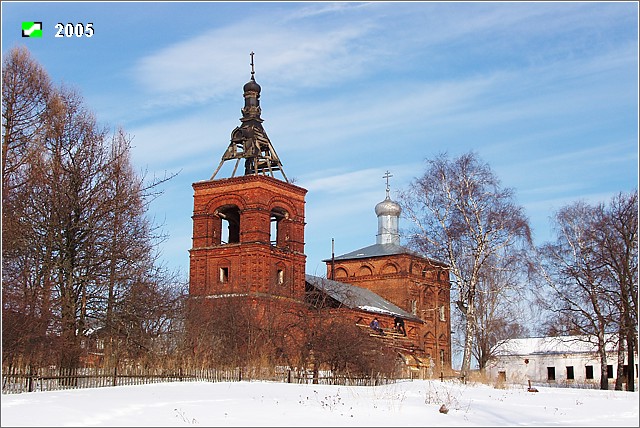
<point x="248" y="230"/>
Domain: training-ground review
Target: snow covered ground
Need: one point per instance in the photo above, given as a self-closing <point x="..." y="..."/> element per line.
<point x="406" y="403"/>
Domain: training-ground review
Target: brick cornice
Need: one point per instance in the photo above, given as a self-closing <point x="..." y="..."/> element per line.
<point x="247" y="180"/>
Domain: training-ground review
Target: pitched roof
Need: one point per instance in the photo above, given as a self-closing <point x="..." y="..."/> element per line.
<point x="552" y="345"/>
<point x="358" y="298"/>
<point x="379" y="250"/>
<point x="374" y="250"/>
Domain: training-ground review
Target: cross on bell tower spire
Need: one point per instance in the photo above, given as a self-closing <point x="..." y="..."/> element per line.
<point x="253" y="72"/>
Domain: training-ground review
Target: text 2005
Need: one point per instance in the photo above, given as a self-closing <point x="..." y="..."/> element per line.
<point x="77" y="30"/>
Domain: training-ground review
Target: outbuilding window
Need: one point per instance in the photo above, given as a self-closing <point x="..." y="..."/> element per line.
<point x="551" y="373"/>
<point x="588" y="372"/>
<point x="570" y="373"/>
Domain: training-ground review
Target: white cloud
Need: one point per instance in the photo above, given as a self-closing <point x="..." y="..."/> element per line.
<point x="212" y="64"/>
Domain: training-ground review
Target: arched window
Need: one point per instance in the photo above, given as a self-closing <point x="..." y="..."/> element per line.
<point x="341" y="273"/>
<point x="224" y="274"/>
<point x="277" y="233"/>
<point x="365" y="271"/>
<point x="389" y="269"/>
<point x="230" y="215"/>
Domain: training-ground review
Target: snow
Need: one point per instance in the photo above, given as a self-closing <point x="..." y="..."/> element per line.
<point x="405" y="403"/>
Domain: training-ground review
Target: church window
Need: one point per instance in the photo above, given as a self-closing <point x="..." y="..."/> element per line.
<point x="230" y="216"/>
<point x="424" y="272"/>
<point x="224" y="274"/>
<point x="609" y="371"/>
<point x="365" y="271"/>
<point x="414" y="307"/>
<point x="442" y="313"/>
<point x="341" y="273"/>
<point x="280" y="277"/>
<point x="389" y="269"/>
<point x="277" y="237"/>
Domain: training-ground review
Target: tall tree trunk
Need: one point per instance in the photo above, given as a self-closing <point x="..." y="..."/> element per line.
<point x="621" y="352"/>
<point x="631" y="364"/>
<point x="604" y="379"/>
<point x="469" y="335"/>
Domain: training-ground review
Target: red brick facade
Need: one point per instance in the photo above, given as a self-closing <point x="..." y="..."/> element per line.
<point x="248" y="237"/>
<point x="418" y="285"/>
<point x="248" y="245"/>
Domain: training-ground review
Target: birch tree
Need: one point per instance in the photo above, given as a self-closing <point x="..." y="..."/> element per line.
<point x="460" y="214"/>
<point x="588" y="278"/>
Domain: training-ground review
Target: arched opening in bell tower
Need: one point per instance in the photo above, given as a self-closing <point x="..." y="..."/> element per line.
<point x="230" y="216"/>
<point x="277" y="229"/>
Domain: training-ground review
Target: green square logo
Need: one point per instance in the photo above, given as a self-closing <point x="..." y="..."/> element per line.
<point x="31" y="29"/>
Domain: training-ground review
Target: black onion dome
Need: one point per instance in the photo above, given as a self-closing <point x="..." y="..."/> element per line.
<point x="252" y="86"/>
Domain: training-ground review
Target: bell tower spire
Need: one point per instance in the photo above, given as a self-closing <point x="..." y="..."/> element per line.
<point x="248" y="229"/>
<point x="249" y="141"/>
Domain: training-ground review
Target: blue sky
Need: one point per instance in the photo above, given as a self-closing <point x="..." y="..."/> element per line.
<point x="546" y="93"/>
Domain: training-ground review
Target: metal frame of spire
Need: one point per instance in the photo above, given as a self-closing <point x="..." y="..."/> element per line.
<point x="249" y="141"/>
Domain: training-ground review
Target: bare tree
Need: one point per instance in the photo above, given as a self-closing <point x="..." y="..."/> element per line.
<point x="26" y="303"/>
<point x="460" y="214"/>
<point x="616" y="233"/>
<point x="500" y="314"/>
<point x="25" y="90"/>
<point x="80" y="251"/>
<point x="574" y="284"/>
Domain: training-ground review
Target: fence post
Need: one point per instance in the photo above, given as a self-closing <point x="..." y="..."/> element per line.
<point x="30" y="379"/>
<point x="115" y="375"/>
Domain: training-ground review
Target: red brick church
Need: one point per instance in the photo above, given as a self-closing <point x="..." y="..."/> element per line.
<point x="248" y="239"/>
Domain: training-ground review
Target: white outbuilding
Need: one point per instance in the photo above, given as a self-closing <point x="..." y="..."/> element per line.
<point x="570" y="361"/>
